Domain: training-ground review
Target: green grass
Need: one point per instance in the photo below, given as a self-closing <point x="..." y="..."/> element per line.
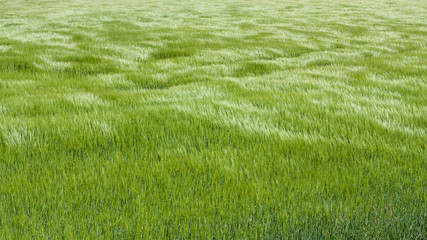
<point x="213" y="119"/>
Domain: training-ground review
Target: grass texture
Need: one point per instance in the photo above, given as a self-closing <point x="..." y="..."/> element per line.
<point x="237" y="119"/>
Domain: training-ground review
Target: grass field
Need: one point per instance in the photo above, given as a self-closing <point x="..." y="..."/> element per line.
<point x="237" y="119"/>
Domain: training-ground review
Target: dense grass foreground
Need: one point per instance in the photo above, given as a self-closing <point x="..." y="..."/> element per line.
<point x="213" y="119"/>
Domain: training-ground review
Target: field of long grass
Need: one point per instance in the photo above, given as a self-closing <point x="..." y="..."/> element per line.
<point x="213" y="119"/>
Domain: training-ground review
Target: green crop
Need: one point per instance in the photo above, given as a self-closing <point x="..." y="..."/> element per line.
<point x="237" y="119"/>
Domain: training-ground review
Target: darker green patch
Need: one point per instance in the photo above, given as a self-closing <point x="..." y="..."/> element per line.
<point x="295" y="51"/>
<point x="85" y="59"/>
<point x="116" y="24"/>
<point x="388" y="66"/>
<point x="170" y="53"/>
<point x="358" y="77"/>
<point x="16" y="64"/>
<point x="408" y="47"/>
<point x="188" y="77"/>
<point x="77" y="37"/>
<point x="255" y="69"/>
<point x="173" y="51"/>
<point x="124" y="32"/>
<point x="338" y="46"/>
<point x="7" y="41"/>
<point x="236" y="12"/>
<point x="54" y="25"/>
<point x="12" y="25"/>
<point x="367" y="54"/>
<point x="247" y="26"/>
<point x="270" y="54"/>
<point x="351" y="30"/>
<point x="82" y="70"/>
<point x="358" y="42"/>
<point x="26" y="49"/>
<point x="259" y="36"/>
<point x="318" y="63"/>
<point x="147" y="81"/>
<point x="87" y="65"/>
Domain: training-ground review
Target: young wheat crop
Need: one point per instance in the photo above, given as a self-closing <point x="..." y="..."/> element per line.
<point x="241" y="119"/>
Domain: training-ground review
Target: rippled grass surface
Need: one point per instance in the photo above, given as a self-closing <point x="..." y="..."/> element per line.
<point x="213" y="119"/>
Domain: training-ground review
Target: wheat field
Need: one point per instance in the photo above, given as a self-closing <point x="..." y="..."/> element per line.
<point x="213" y="119"/>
